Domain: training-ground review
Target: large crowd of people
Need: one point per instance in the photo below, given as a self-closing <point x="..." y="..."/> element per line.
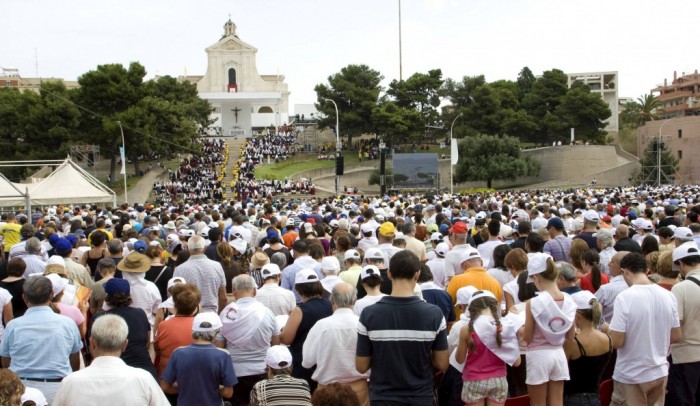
<point x="566" y="297"/>
<point x="267" y="149"/>
<point x="198" y="177"/>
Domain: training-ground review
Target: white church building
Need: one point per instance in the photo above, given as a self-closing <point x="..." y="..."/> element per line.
<point x="244" y="101"/>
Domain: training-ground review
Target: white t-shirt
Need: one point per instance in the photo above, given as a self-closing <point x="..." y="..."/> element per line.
<point x="486" y="251"/>
<point x="646" y="314"/>
<point x="366" y="301"/>
<point x="512" y="288"/>
<point x="5" y="298"/>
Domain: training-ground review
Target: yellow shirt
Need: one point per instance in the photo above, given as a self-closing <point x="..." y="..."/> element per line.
<point x="10" y="233"/>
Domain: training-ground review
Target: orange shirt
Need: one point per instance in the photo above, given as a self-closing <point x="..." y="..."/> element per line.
<point x="172" y="333"/>
<point x="289" y="237"/>
<point x="478" y="278"/>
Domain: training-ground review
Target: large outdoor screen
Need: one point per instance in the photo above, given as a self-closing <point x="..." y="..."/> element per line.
<point x="416" y="171"/>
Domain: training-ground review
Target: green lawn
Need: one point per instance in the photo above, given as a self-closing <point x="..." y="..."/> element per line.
<point x="306" y="162"/>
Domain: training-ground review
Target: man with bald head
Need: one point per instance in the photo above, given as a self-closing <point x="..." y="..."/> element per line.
<point x="607" y="293"/>
<point x="624" y="242"/>
<point x="206" y="274"/>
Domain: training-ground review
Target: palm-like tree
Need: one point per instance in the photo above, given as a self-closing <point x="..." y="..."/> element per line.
<point x="648" y="105"/>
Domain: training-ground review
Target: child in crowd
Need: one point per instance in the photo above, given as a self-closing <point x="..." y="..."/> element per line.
<point x="487" y="345"/>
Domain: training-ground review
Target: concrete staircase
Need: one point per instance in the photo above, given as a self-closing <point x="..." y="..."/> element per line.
<point x="234" y="152"/>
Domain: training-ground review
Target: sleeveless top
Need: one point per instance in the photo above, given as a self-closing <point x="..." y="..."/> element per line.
<point x="586" y="371"/>
<point x="92" y="262"/>
<point x="312" y="311"/>
<point x="482" y="363"/>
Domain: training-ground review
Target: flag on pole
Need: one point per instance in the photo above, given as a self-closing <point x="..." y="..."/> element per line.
<point x="454" y="154"/>
<point x="121" y="153"/>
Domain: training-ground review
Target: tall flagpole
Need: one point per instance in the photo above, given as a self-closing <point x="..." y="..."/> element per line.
<point x="400" y="48"/>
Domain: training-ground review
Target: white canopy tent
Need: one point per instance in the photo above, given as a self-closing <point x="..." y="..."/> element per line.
<point x="68" y="184"/>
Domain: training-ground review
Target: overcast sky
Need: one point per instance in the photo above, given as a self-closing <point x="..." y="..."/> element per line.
<point x="307" y="40"/>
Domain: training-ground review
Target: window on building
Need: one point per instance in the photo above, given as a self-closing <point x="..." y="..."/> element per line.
<point x="680" y="154"/>
<point x="680" y="133"/>
<point x="8" y="83"/>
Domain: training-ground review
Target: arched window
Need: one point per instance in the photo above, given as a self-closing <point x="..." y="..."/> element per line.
<point x="265" y="109"/>
<point x="231" y="76"/>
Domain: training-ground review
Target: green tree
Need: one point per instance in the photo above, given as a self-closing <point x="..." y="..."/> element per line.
<point x="397" y="124"/>
<point x="584" y="111"/>
<point x="158" y="116"/>
<point x="421" y="92"/>
<point x="656" y="165"/>
<point x="526" y="80"/>
<point x="488" y="158"/>
<point x="355" y="89"/>
<point x="544" y="98"/>
<point x="635" y="113"/>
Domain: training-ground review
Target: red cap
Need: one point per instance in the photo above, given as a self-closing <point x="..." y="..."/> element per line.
<point x="459" y="228"/>
<point x="607" y="218"/>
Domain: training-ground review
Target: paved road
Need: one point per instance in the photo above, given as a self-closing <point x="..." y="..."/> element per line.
<point x="141" y="191"/>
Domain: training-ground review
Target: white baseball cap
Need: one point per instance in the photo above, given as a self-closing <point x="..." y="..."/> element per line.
<point x="369" y="270"/>
<point x="464" y="294"/>
<point x="480" y="294"/>
<point x="583" y="299"/>
<point x="352" y="254"/>
<point x="270" y="270"/>
<point x="442" y="249"/>
<point x="591" y="215"/>
<point x="688" y="249"/>
<point x="306" y="275"/>
<point x="278" y="357"/>
<point x="536" y="264"/>
<point x="206" y="322"/>
<point x="57" y="283"/>
<point x="436" y="237"/>
<point x="374" y="253"/>
<point x="330" y="264"/>
<point x="682" y="232"/>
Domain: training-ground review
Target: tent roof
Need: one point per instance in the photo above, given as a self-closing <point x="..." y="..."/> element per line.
<point x="70" y="184"/>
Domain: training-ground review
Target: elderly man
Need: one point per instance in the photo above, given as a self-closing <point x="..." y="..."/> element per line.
<point x="475" y="275"/>
<point x="280" y="388"/>
<point x="331" y="342"/>
<point x="605" y="241"/>
<point x="248" y="329"/>
<point x="19" y="250"/>
<point x="607" y="293"/>
<point x="412" y="243"/>
<point x="206" y="274"/>
<point x="330" y="266"/>
<point x="624" y="243"/>
<point x="41" y="347"/>
<point x="276" y="298"/>
<point x="108" y="378"/>
<point x="453" y="259"/>
<point x="204" y="373"/>
<point x="32" y="257"/>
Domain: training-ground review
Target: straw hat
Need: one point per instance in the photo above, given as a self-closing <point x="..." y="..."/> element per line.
<point x="134" y="262"/>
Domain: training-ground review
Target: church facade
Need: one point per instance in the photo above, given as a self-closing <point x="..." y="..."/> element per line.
<point x="244" y="101"/>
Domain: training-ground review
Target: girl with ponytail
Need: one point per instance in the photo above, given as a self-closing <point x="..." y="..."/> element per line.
<point x="486" y="345"/>
<point x="588" y="353"/>
<point x="592" y="278"/>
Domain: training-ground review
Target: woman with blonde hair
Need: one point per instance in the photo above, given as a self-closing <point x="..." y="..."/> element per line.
<point x="588" y="353"/>
<point x="549" y="322"/>
<point x="578" y="247"/>
<point x="664" y="268"/>
<point x="158" y="273"/>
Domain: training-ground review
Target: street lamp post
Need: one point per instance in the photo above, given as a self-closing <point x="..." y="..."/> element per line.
<point x="123" y="156"/>
<point x="382" y="168"/>
<point x="337" y="146"/>
<point x="452" y="126"/>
